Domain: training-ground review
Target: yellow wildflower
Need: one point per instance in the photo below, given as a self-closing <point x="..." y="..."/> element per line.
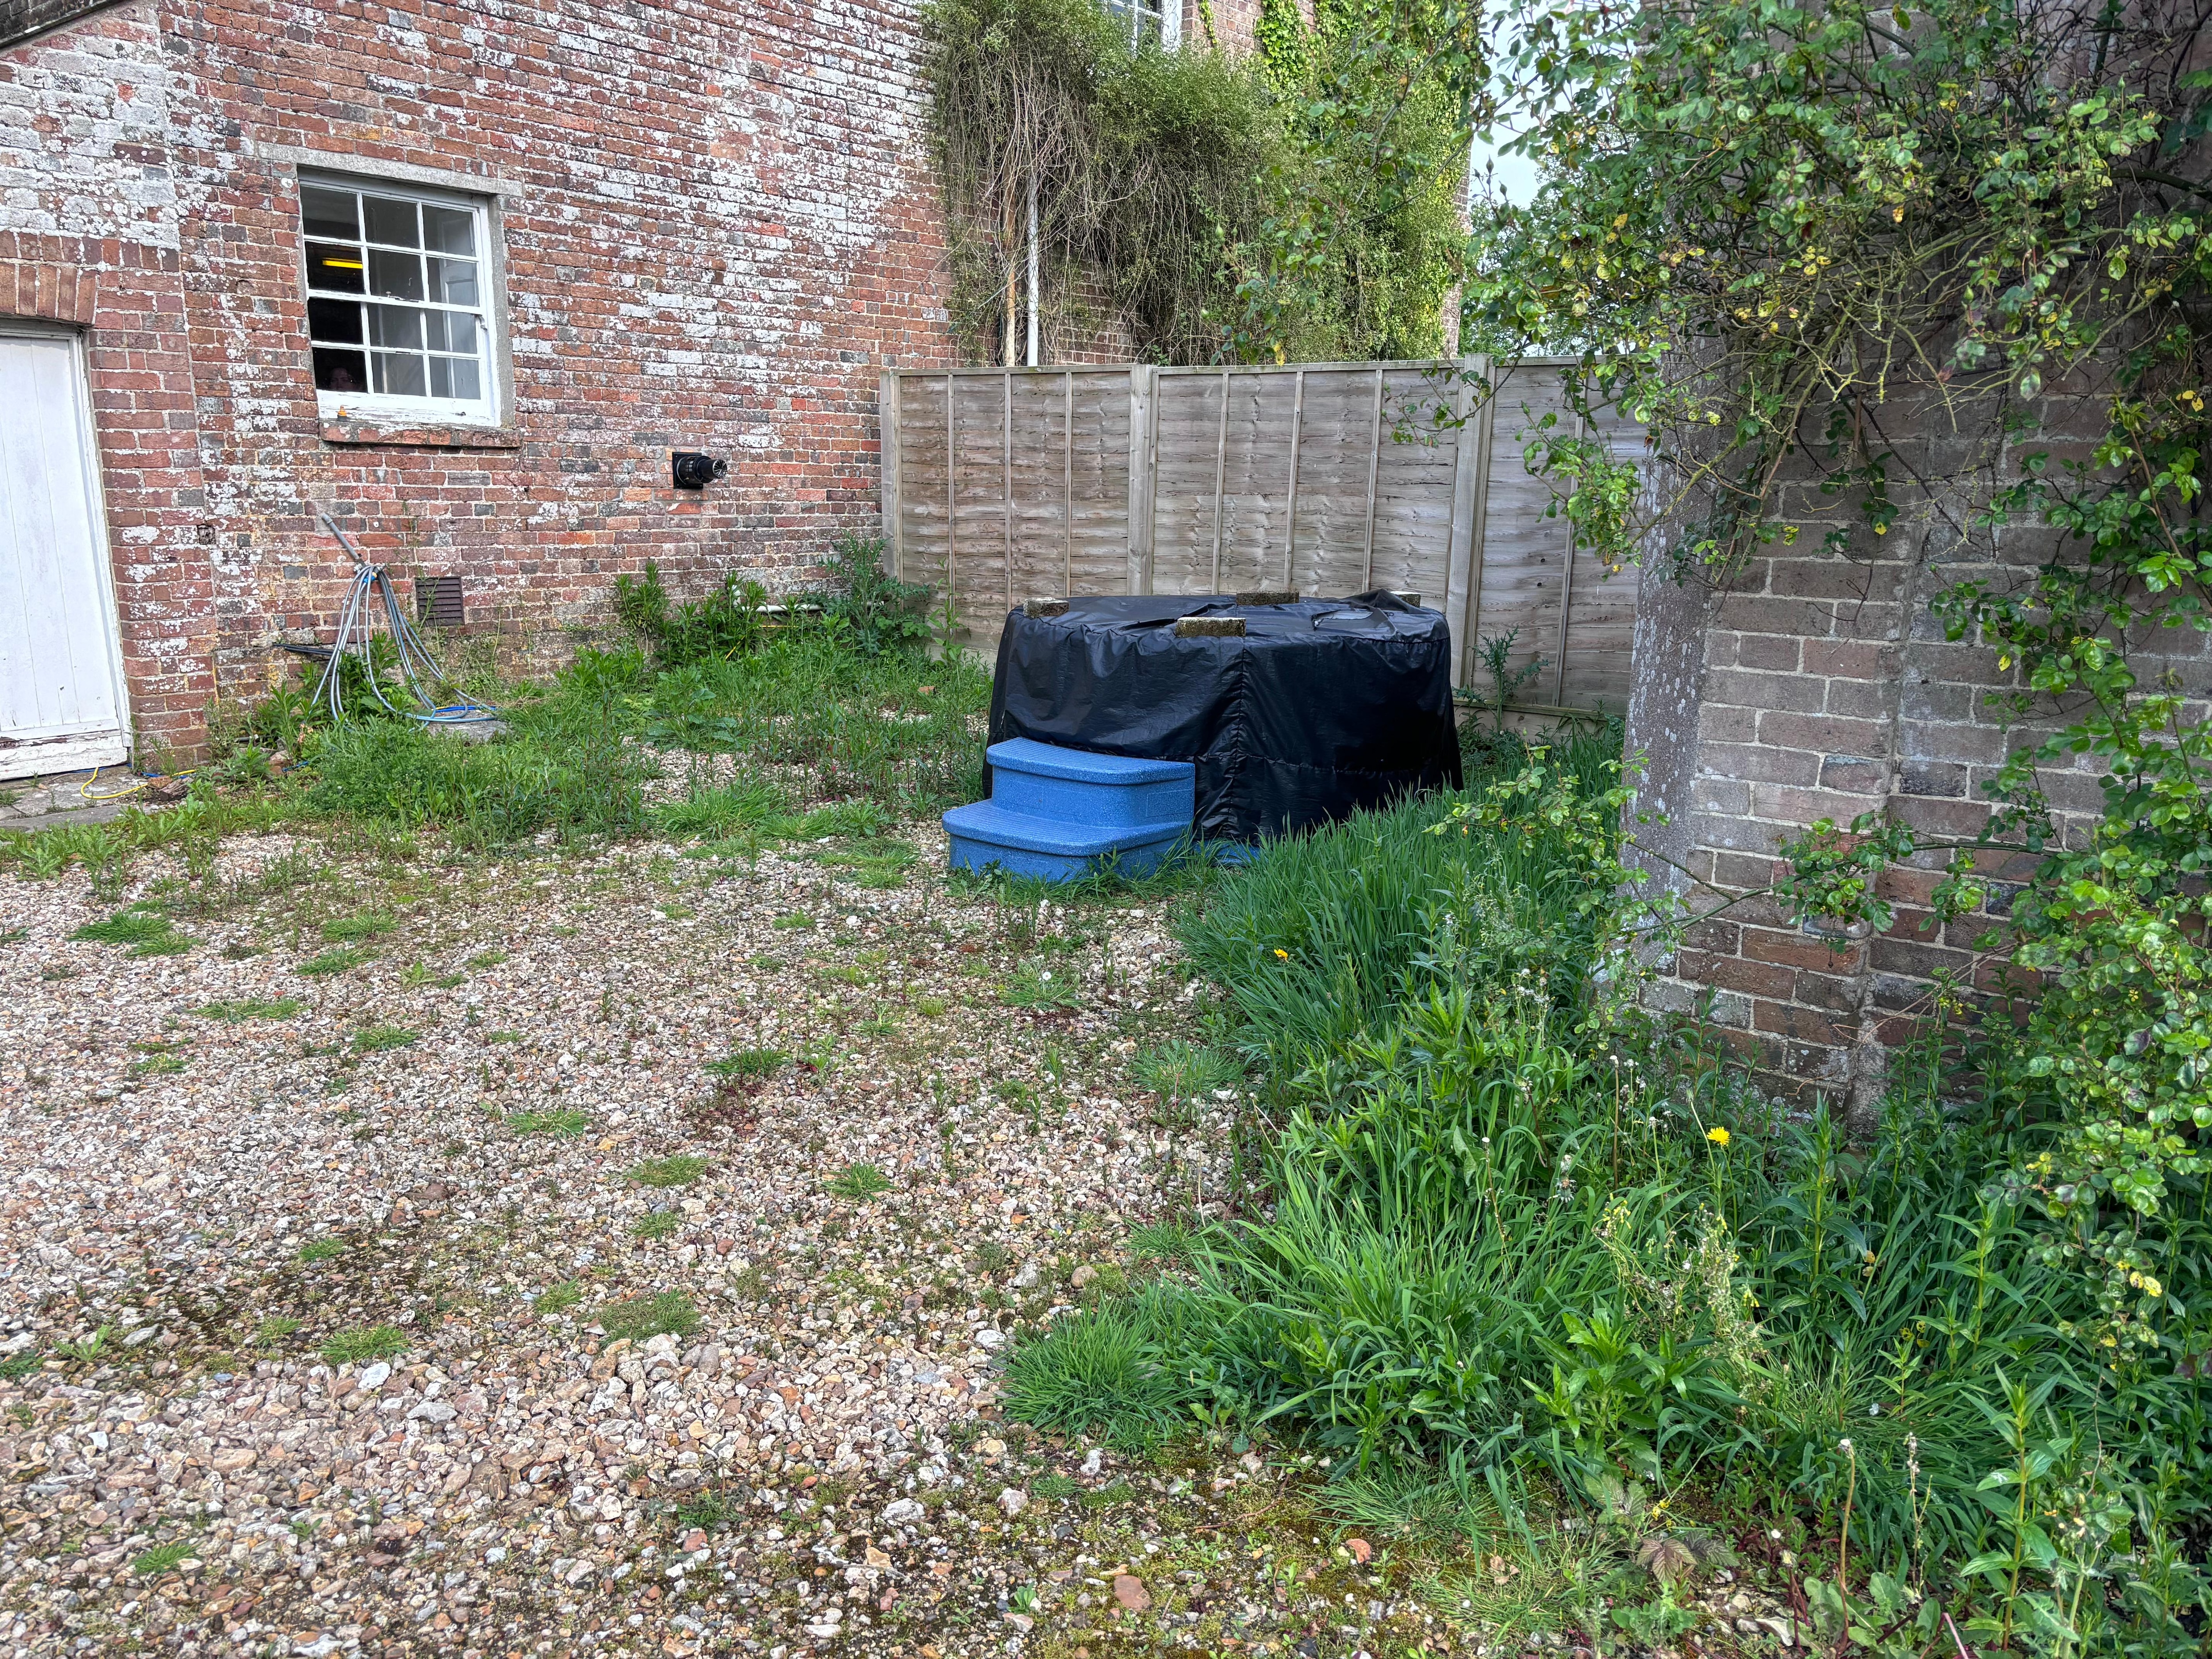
<point x="1718" y="1137"/>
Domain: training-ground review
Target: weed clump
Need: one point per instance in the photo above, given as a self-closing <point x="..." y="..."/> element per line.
<point x="679" y="1170"/>
<point x="668" y="1313"/>
<point x="364" y="1343"/>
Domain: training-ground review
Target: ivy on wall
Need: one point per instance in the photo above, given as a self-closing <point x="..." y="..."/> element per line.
<point x="1213" y="204"/>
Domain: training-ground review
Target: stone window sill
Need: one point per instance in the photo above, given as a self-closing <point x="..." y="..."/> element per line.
<point x="400" y="435"/>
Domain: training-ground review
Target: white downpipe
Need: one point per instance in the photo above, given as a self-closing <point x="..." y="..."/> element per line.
<point x="1034" y="263"/>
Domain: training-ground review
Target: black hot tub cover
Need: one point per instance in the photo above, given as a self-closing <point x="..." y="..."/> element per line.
<point x="1322" y="708"/>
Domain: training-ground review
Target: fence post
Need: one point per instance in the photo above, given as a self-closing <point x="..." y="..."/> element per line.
<point x="1144" y="467"/>
<point x="1470" y="505"/>
<point x="1566" y="591"/>
<point x="951" y="501"/>
<point x="1373" y="477"/>
<point x="887" y="430"/>
<point x="1290" y="527"/>
<point x="1067" y="486"/>
<point x="1220" y="461"/>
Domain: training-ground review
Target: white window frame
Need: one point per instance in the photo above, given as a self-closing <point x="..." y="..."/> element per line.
<point x="1164" y="14"/>
<point x="484" y="409"/>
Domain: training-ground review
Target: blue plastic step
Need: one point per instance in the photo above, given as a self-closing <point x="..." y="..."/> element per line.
<point x="984" y="834"/>
<point x="1076" y="787"/>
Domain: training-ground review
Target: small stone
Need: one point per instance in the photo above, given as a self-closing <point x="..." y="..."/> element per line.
<point x="1362" y="1551"/>
<point x="1129" y="1591"/>
<point x="900" y="1511"/>
<point x="1012" y="1501"/>
<point x="374" y="1378"/>
<point x="1082" y="1275"/>
<point x="989" y="1338"/>
<point x="1027" y="1278"/>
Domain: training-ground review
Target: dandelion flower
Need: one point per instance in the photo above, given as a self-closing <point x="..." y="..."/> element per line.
<point x="1719" y="1137"/>
<point x="1282" y="956"/>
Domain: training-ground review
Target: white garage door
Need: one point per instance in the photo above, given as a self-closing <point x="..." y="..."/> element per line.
<point x="61" y="674"/>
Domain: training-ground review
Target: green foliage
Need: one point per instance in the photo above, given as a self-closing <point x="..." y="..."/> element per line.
<point x="236" y="1013"/>
<point x="321" y="1250"/>
<point x="1300" y="201"/>
<point x="727" y="623"/>
<point x="1519" y="1235"/>
<point x="680" y="1170"/>
<point x="362" y="1343"/>
<point x="562" y="766"/>
<point x="144" y="927"/>
<point x="894" y="730"/>
<point x="380" y="1039"/>
<point x="860" y="1181"/>
<point x="154" y="1562"/>
<point x="1360" y="236"/>
<point x="750" y="1063"/>
<point x="1788" y="237"/>
<point x="342" y="960"/>
<point x="667" y="1313"/>
<point x="866" y="610"/>
<point x="1109" y="1369"/>
<point x="565" y="1123"/>
<point x="657" y="1223"/>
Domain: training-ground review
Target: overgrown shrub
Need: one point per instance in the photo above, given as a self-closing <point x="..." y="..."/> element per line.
<point x="1515" y="1228"/>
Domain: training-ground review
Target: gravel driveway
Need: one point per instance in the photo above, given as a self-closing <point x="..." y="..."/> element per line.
<point x="313" y="1284"/>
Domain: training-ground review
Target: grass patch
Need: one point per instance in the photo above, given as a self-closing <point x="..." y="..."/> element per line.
<point x="559" y="1298"/>
<point x="793" y="920"/>
<point x="275" y="1328"/>
<point x="161" y="1558"/>
<point x="382" y="1039"/>
<point x="17" y="1366"/>
<point x="144" y="928"/>
<point x="364" y="1343"/>
<point x="1040" y="986"/>
<point x="660" y="1224"/>
<point x="342" y="960"/>
<point x="156" y="1066"/>
<point x="670" y="1313"/>
<point x="860" y="1181"/>
<point x="1108" y="1371"/>
<point x="351" y="930"/>
<point x="483" y="959"/>
<point x="750" y="1063"/>
<point x="679" y="1170"/>
<point x="564" y="1123"/>
<point x="234" y="1013"/>
<point x="322" y="1249"/>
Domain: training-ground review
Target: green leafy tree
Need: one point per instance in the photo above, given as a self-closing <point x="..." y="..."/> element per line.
<point x="1795" y="239"/>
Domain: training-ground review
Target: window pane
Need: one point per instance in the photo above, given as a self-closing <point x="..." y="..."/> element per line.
<point x="454" y="281"/>
<point x="329" y="213"/>
<point x="451" y="331"/>
<point x="341" y="371"/>
<point x="334" y="322"/>
<point x="390" y="222"/>
<point x="395" y="276"/>
<point x="395" y="325"/>
<point x="400" y="376"/>
<point x="466" y="382"/>
<point x="449" y="230"/>
<point x="335" y="269"/>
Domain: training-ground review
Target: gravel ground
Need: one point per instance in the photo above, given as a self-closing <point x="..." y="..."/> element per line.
<point x="596" y="1253"/>
<point x="277" y="1285"/>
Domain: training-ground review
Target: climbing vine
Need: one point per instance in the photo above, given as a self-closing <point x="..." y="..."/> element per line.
<point x="1215" y="202"/>
<point x="1943" y="271"/>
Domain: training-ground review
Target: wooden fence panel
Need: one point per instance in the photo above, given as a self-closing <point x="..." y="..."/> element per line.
<point x="1005" y="485"/>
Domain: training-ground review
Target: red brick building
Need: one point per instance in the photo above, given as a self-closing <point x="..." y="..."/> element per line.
<point x="462" y="274"/>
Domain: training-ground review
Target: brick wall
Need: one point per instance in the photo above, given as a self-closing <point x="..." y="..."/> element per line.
<point x="1813" y="685"/>
<point x="716" y="226"/>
